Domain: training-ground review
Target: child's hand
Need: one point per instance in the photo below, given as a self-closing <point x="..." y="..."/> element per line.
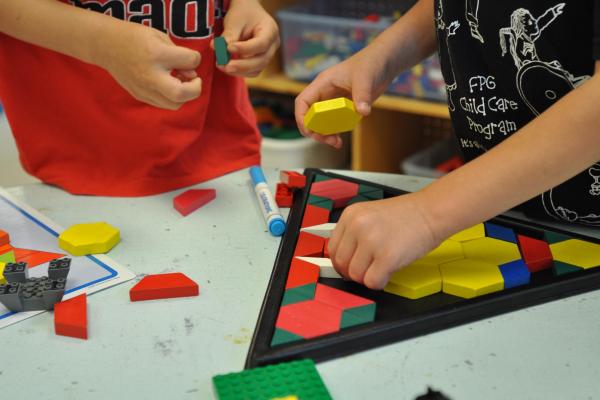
<point x="374" y="239"/>
<point x="252" y="36"/>
<point x="141" y="60"/>
<point x="362" y="77"/>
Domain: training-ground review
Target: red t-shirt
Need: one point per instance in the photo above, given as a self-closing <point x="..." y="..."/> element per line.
<point x="76" y="128"/>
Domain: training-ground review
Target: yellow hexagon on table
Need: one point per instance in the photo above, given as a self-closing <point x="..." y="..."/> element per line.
<point x="416" y="280"/>
<point x="577" y="252"/>
<point x="472" y="233"/>
<point x="493" y="251"/>
<point x="91" y="238"/>
<point x="449" y="250"/>
<point x="470" y="278"/>
<point x="332" y="116"/>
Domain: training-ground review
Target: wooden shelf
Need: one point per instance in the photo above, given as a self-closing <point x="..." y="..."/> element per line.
<point x="279" y="83"/>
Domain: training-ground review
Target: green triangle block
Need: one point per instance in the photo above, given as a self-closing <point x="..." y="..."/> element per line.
<point x="321" y="178"/>
<point x="374" y="195"/>
<point x="358" y="316"/>
<point x="322" y="202"/>
<point x="358" y="199"/>
<point x="553" y="237"/>
<point x="282" y="336"/>
<point x="8" y="257"/>
<point x="362" y="189"/>
<point x="298" y="294"/>
<point x="560" y="268"/>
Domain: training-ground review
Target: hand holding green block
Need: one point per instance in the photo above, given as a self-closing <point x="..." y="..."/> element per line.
<point x="221" y="52"/>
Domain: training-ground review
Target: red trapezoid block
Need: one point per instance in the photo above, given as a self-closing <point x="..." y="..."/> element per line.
<point x="314" y="215"/>
<point x="4" y="238"/>
<point x="309" y="319"/>
<point x="536" y="253"/>
<point x="70" y="317"/>
<point x="33" y="258"/>
<point x="164" y="286"/>
<point x="191" y="200"/>
<point x="309" y="245"/>
<point x="338" y="298"/>
<point x="301" y="273"/>
<point x="293" y="179"/>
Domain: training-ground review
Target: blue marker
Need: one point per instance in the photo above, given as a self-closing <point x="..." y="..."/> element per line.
<point x="273" y="217"/>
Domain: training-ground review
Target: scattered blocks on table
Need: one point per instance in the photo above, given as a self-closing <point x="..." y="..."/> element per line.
<point x="221" y="53"/>
<point x="536" y="253"/>
<point x="515" y="273"/>
<point x="33" y="258"/>
<point x="284" y="196"/>
<point x="500" y="232"/>
<point x="298" y="378"/>
<point x="164" y="286"/>
<point x="474" y="232"/>
<point x="70" y="317"/>
<point x="416" y="280"/>
<point x="493" y="251"/>
<point x="293" y="179"/>
<point x="309" y="245"/>
<point x="301" y="273"/>
<point x="91" y="238"/>
<point x="577" y="252"/>
<point x="339" y="191"/>
<point x="4" y="238"/>
<point x="470" y="278"/>
<point x="323" y="230"/>
<point x="314" y="215"/>
<point x="332" y="116"/>
<point x="192" y="199"/>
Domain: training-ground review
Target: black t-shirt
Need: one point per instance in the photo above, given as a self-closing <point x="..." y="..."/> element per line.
<point x="505" y="62"/>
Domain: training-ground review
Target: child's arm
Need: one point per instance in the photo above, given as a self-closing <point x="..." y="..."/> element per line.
<point x="252" y="35"/>
<point x="138" y="57"/>
<point x="367" y="74"/>
<point x="374" y="239"/>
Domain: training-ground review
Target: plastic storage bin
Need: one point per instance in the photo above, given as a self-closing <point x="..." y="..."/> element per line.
<point x="320" y="34"/>
<point x="423" y="163"/>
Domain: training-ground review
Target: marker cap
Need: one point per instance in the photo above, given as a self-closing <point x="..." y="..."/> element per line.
<point x="277" y="227"/>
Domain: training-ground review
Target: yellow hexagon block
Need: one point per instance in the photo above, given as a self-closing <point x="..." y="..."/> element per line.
<point x="472" y="233"/>
<point x="449" y="250"/>
<point x="577" y="252"/>
<point x="491" y="250"/>
<point x="332" y="116"/>
<point x="415" y="281"/>
<point x="92" y="238"/>
<point x="470" y="278"/>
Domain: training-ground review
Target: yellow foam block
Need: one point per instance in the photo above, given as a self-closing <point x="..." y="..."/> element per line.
<point x="577" y="252"/>
<point x="491" y="250"/>
<point x="332" y="116"/>
<point x="92" y="238"/>
<point x="449" y="250"/>
<point x="474" y="232"/>
<point x="470" y="278"/>
<point x="415" y="281"/>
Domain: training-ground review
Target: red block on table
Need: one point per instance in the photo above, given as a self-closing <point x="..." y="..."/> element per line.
<point x="293" y="179"/>
<point x="33" y="258"/>
<point x="314" y="215"/>
<point x="70" y="317"/>
<point x="536" y="253"/>
<point x="4" y="238"/>
<point x="193" y="199"/>
<point x="309" y="245"/>
<point x="284" y="196"/>
<point x="164" y="286"/>
<point x="302" y="273"/>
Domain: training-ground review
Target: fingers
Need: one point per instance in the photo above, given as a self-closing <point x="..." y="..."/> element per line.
<point x="362" y="90"/>
<point x="248" y="67"/>
<point x="262" y="41"/>
<point x="180" y="58"/>
<point x="171" y="93"/>
<point x="377" y="275"/>
<point x="320" y="89"/>
<point x="359" y="264"/>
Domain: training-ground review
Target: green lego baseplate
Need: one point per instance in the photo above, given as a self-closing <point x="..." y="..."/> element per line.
<point x="296" y="378"/>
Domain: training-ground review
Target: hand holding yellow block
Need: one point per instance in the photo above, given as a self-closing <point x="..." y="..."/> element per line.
<point x="332" y="116"/>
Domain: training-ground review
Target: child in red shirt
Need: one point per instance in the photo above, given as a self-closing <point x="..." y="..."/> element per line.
<point x="122" y="97"/>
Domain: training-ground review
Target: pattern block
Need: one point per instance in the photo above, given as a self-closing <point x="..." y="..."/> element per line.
<point x="416" y="280"/>
<point x="283" y="196"/>
<point x="221" y="53"/>
<point x="323" y="230"/>
<point x="333" y="116"/>
<point x="309" y="319"/>
<point x="448" y="250"/>
<point x="164" y="286"/>
<point x="282" y="337"/>
<point x="293" y="179"/>
<point x="560" y="268"/>
<point x="515" y="273"/>
<point x="91" y="238"/>
<point x="192" y="199"/>
<point x="577" y="252"/>
<point x="309" y="245"/>
<point x="493" y="251"/>
<point x="314" y="215"/>
<point x="320" y="202"/>
<point x="8" y="257"/>
<point x="339" y="191"/>
<point x="297" y="294"/>
<point x="500" y="232"/>
<point x="33" y="258"/>
<point x="70" y="317"/>
<point x="474" y="232"/>
<point x="536" y="253"/>
<point x="297" y="378"/>
<point x="4" y="238"/>
<point x="325" y="265"/>
<point x="470" y="278"/>
<point x="301" y="273"/>
<point x="356" y="310"/>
